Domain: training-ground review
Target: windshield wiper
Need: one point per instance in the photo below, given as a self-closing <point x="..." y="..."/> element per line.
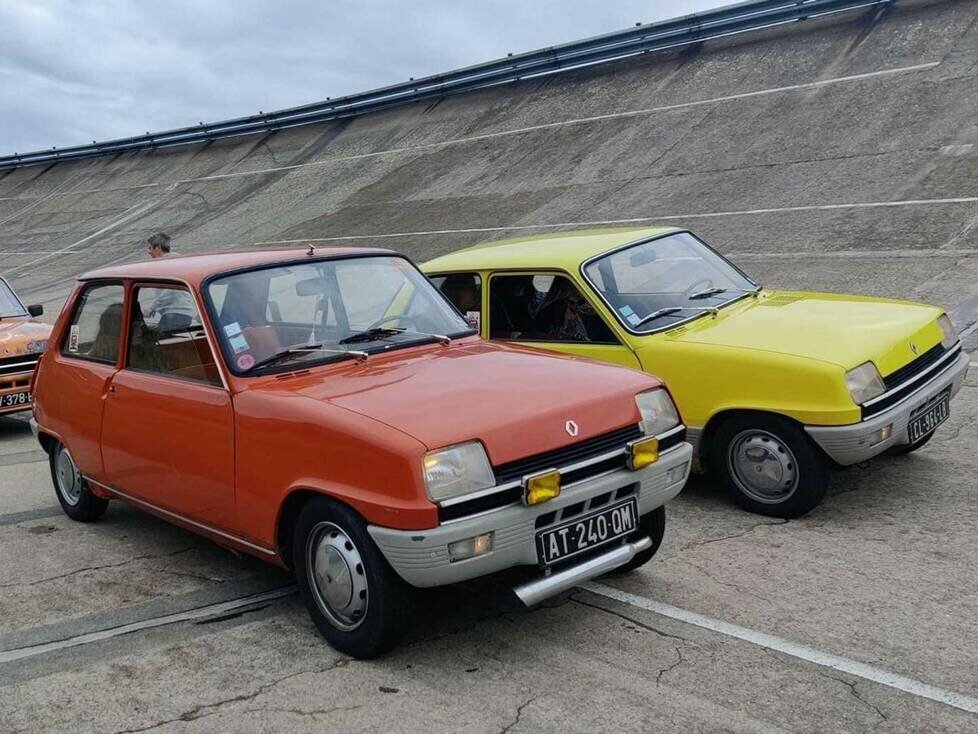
<point x="675" y="309"/>
<point x="384" y="332"/>
<point x="291" y="351"/>
<point x="717" y="291"/>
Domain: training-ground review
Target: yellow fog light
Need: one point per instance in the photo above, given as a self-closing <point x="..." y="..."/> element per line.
<point x="643" y="452"/>
<point x="460" y="550"/>
<point x="541" y="487"/>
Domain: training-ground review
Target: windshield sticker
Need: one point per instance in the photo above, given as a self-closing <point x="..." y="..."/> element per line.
<point x="473" y="319"/>
<point x="239" y="344"/>
<point x="626" y="311"/>
<point x="232" y="329"/>
<point x="633" y="319"/>
<point x="73" y="338"/>
<point x="245" y="362"/>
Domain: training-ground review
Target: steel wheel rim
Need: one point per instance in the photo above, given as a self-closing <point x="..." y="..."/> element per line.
<point x="67" y="478"/>
<point x="763" y="466"/>
<point x="337" y="577"/>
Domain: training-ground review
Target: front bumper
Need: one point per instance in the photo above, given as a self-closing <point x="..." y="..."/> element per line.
<point x="15" y="385"/>
<point x="854" y="443"/>
<point x="421" y="557"/>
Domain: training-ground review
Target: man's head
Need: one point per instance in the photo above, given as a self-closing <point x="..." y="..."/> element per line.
<point x="158" y="245"/>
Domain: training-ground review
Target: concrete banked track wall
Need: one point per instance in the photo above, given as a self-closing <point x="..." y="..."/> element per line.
<point x="837" y="154"/>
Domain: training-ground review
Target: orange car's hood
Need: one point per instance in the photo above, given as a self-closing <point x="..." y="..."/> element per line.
<point x="22" y="336"/>
<point x="517" y="401"/>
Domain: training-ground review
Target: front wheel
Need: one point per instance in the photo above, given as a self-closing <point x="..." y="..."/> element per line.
<point x="73" y="492"/>
<point x="769" y="465"/>
<point x="356" y="600"/>
<point x="651" y="525"/>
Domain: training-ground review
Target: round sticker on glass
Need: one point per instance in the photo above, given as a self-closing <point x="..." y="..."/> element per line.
<point x="246" y="362"/>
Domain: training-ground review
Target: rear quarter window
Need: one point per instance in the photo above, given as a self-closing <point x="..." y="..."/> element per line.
<point x="96" y="324"/>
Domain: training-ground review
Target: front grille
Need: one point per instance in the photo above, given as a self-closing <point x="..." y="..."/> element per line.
<point x="19" y="364"/>
<point x="917" y="366"/>
<point x="905" y="376"/>
<point x="557" y="459"/>
<point x="567" y="454"/>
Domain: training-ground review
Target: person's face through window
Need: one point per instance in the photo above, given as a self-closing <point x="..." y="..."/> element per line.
<point x="155" y="251"/>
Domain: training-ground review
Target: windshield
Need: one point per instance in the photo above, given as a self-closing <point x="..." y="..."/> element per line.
<point x="10" y="305"/>
<point x="655" y="284"/>
<point x="323" y="310"/>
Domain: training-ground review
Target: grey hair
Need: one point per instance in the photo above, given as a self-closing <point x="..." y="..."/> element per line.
<point x="161" y="240"/>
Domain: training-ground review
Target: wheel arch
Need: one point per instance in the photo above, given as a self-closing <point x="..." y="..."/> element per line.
<point x="289" y="510"/>
<point x="718" y="418"/>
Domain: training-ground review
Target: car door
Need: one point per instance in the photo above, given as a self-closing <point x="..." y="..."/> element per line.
<point x="167" y="435"/>
<point x="83" y="367"/>
<point x="546" y="309"/>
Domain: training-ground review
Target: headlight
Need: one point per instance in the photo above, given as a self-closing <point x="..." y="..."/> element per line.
<point x="949" y="338"/>
<point x="864" y="383"/>
<point x="457" y="470"/>
<point x="659" y="413"/>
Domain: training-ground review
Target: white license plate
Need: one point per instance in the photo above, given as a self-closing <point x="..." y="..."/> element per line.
<point x="590" y="531"/>
<point x="930" y="419"/>
<point x="15" y="399"/>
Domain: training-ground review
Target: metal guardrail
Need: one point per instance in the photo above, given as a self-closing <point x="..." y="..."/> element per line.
<point x="685" y="31"/>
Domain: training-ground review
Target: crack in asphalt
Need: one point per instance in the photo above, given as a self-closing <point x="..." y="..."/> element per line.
<point x="632" y="620"/>
<point x="672" y="666"/>
<point x="26" y="584"/>
<point x="722" y="582"/>
<point x="855" y="692"/>
<point x="519" y="714"/>
<point x="751" y="529"/>
<point x="209" y="709"/>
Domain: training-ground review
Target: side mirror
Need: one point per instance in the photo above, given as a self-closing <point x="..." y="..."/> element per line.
<point x="36" y="310"/>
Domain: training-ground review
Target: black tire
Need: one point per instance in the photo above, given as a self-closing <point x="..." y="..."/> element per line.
<point x="72" y="491"/>
<point x="766" y="441"/>
<point x="363" y="629"/>
<point x="907" y="448"/>
<point x="651" y="525"/>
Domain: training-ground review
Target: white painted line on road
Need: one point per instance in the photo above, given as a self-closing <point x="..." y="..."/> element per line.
<point x="211" y="610"/>
<point x="632" y="220"/>
<point x="802" y="652"/>
<point x="528" y="129"/>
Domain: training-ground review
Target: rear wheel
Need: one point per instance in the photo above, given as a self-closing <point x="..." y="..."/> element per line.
<point x="909" y="447"/>
<point x="356" y="600"/>
<point x="73" y="492"/>
<point x="651" y="525"/>
<point x="769" y="465"/>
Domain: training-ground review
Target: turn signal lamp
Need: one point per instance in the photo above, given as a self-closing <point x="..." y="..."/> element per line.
<point x="642" y="453"/>
<point x="542" y="487"/>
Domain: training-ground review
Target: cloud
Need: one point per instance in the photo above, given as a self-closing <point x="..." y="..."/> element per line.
<point x="75" y="72"/>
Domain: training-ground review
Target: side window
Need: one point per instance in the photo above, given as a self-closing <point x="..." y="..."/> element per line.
<point x="464" y="290"/>
<point x="543" y="307"/>
<point x="166" y="336"/>
<point x="96" y="325"/>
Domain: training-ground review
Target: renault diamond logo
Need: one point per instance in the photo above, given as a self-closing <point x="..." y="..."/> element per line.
<point x="913" y="347"/>
<point x="571" y="428"/>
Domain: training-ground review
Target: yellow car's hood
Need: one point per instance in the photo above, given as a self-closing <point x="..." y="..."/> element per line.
<point x="844" y="330"/>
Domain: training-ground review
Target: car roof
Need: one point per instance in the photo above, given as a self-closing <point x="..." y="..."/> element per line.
<point x="194" y="269"/>
<point x="558" y="249"/>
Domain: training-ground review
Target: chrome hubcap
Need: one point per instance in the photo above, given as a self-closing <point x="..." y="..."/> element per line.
<point x="67" y="476"/>
<point x="763" y="466"/>
<point x="336" y="575"/>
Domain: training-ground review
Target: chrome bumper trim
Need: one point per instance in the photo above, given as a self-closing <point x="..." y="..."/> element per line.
<point x="534" y="592"/>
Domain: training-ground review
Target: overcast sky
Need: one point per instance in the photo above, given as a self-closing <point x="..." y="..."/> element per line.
<point x="72" y="72"/>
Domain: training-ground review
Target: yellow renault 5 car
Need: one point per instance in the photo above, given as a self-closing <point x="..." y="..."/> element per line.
<point x="777" y="387"/>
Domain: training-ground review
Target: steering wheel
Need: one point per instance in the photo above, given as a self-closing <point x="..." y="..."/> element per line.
<point x="395" y="319"/>
<point x="700" y="285"/>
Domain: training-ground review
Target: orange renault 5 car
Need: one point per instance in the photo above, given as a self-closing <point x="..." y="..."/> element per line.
<point x="330" y="411"/>
<point x="22" y="340"/>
